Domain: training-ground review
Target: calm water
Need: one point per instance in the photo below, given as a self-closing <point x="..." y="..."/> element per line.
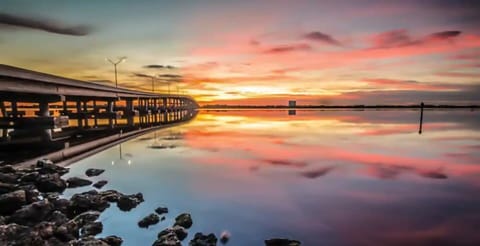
<point x="321" y="177"/>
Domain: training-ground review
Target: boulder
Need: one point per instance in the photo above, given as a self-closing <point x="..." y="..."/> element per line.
<point x="281" y="242"/>
<point x="7" y="169"/>
<point x="86" y="217"/>
<point x="14" y="233"/>
<point x="88" y="241"/>
<point x="91" y="229"/>
<point x="82" y="202"/>
<point x="46" y="166"/>
<point x="168" y="238"/>
<point x="10" y="178"/>
<point x="94" y="172"/>
<point x="50" y="183"/>
<point x="113" y="240"/>
<point x="12" y="201"/>
<point x="149" y="220"/>
<point x="179" y="231"/>
<point x="33" y="213"/>
<point x="203" y="240"/>
<point x="100" y="184"/>
<point x="184" y="220"/>
<point x="74" y="182"/>
<point x="111" y="195"/>
<point x="161" y="210"/>
<point x="6" y="187"/>
<point x="128" y="202"/>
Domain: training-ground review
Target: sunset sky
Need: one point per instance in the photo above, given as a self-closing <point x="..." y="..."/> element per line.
<point x="257" y="52"/>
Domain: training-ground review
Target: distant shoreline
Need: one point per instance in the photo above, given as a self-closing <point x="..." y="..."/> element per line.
<point x="339" y="106"/>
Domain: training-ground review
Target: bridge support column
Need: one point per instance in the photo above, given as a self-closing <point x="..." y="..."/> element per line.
<point x="110" y="111"/>
<point x="43" y="111"/>
<point x="129" y="112"/>
<point x="79" y="114"/>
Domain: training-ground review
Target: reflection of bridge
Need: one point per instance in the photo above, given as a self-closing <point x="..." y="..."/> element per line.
<point x="48" y="107"/>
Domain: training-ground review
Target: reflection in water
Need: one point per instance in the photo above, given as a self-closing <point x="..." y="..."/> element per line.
<point x="322" y="177"/>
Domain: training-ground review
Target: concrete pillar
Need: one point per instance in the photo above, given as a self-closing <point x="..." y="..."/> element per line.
<point x="110" y="111"/>
<point x="79" y="115"/>
<point x="95" y="114"/>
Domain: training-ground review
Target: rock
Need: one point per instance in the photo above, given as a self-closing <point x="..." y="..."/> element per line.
<point x="29" y="177"/>
<point x="6" y="187"/>
<point x="88" y="241"/>
<point x="203" y="240"/>
<point x="163" y="218"/>
<point x="46" y="166"/>
<point x="224" y="237"/>
<point x="61" y="204"/>
<point x="94" y="172"/>
<point x="184" y="220"/>
<point x="58" y="218"/>
<point x="7" y="169"/>
<point x="111" y="195"/>
<point x="113" y="240"/>
<point x="168" y="238"/>
<point x="92" y="229"/>
<point x="149" y="220"/>
<point x="67" y="231"/>
<point x="13" y="233"/>
<point x="100" y="184"/>
<point x="74" y="182"/>
<point x="179" y="231"/>
<point x="281" y="242"/>
<point x="44" y="229"/>
<point x="50" y="183"/>
<point x="10" y="178"/>
<point x="12" y="201"/>
<point x="161" y="210"/>
<point x="3" y="220"/>
<point x="33" y="213"/>
<point x="82" y="202"/>
<point x="128" y="202"/>
<point x="31" y="193"/>
<point x="86" y="217"/>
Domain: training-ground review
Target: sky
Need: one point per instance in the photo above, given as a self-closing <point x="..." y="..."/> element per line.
<point x="255" y="52"/>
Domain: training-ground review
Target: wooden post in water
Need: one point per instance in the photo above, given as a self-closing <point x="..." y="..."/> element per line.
<point x="421" y="118"/>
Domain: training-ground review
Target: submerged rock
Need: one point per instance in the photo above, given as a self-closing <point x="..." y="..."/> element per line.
<point x="74" y="182"/>
<point x="88" y="241"/>
<point x="169" y="238"/>
<point x="225" y="237"/>
<point x="184" y="220"/>
<point x="100" y="184"/>
<point x="113" y="240"/>
<point x="94" y="172"/>
<point x="203" y="240"/>
<point x="128" y="202"/>
<point x="161" y="210"/>
<point x="7" y="169"/>
<point x="149" y="220"/>
<point x="281" y="242"/>
<point x="179" y="231"/>
<point x="12" y="201"/>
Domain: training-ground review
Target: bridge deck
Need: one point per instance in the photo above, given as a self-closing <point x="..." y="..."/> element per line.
<point x="14" y="80"/>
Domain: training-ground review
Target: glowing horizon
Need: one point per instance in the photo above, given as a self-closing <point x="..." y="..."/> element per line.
<point x="257" y="52"/>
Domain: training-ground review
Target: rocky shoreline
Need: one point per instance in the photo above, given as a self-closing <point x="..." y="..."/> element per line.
<point x="33" y="213"/>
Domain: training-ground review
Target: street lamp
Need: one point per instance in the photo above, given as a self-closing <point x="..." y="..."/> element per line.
<point x="120" y="60"/>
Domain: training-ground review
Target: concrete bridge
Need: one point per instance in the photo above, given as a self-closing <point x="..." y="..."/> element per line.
<point x="44" y="105"/>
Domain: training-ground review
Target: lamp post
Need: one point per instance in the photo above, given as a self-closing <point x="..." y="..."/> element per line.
<point x="120" y="60"/>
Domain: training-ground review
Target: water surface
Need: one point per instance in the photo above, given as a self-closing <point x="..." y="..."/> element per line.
<point x="321" y="177"/>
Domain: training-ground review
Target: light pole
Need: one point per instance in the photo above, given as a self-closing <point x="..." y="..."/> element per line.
<point x="120" y="60"/>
